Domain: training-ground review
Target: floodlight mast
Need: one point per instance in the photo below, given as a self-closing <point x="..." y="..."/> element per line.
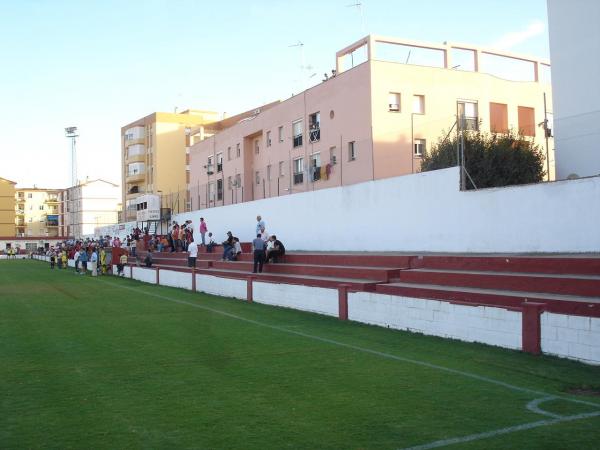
<point x="71" y="133"/>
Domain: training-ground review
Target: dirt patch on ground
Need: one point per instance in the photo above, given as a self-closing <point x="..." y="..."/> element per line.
<point x="585" y="390"/>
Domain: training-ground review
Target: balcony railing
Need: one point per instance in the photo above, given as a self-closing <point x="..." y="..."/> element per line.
<point x="133" y="173"/>
<point x="298" y="178"/>
<point x="469" y="123"/>
<point x="297" y="141"/>
<point x="314" y="135"/>
<point x="316" y="173"/>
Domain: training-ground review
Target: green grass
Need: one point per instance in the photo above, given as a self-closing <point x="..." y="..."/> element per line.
<point x="113" y="363"/>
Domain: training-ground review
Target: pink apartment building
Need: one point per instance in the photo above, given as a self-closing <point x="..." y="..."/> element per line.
<point x="370" y="121"/>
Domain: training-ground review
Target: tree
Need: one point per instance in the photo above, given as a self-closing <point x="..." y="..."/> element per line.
<point x="492" y="160"/>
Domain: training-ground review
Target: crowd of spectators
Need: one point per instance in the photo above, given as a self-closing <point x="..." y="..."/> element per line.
<point x="98" y="254"/>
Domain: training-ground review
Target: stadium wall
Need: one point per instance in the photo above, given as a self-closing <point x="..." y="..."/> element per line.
<point x="567" y="336"/>
<point x="424" y="212"/>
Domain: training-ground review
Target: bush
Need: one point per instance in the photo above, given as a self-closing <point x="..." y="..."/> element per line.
<point x="492" y="160"/>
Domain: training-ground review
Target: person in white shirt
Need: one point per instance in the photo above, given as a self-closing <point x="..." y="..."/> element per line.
<point x="264" y="235"/>
<point x="192" y="254"/>
<point x="77" y="263"/>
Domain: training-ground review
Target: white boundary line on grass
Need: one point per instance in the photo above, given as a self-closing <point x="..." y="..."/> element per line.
<point x="532" y="405"/>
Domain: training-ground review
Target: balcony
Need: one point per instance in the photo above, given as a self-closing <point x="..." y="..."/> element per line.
<point x="20" y="212"/>
<point x="52" y="200"/>
<point x="135" y="175"/>
<point x="316" y="173"/>
<point x="133" y="141"/>
<point x="138" y="157"/>
<point x="314" y="135"/>
<point x="469" y="123"/>
<point x="298" y="178"/>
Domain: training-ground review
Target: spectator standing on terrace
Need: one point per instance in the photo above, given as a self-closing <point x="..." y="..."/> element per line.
<point x="175" y="237"/>
<point x="276" y="251"/>
<point x="260" y="224"/>
<point x="65" y="259"/>
<point x="258" y="245"/>
<point x="182" y="241"/>
<point x="203" y="230"/>
<point x="192" y="254"/>
<point x="133" y="246"/>
<point x="148" y="259"/>
<point x="264" y="235"/>
<point x="103" y="261"/>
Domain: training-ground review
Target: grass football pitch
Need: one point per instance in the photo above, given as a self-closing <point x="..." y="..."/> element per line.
<point x="113" y="363"/>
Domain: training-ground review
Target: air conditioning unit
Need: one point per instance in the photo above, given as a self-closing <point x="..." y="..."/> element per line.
<point x="394" y="107"/>
<point x="333" y="160"/>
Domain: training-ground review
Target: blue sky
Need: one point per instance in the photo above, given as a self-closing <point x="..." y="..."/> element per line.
<point x="99" y="65"/>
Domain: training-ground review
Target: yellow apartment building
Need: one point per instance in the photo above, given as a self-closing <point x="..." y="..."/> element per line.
<point x="155" y="158"/>
<point x="7" y="207"/>
<point x="37" y="212"/>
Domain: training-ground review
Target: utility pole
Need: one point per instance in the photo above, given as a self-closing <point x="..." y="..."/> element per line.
<point x="546" y="136"/>
<point x="71" y="133"/>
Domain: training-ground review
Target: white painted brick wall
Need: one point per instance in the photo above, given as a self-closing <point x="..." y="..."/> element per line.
<point x="305" y="298"/>
<point x="226" y="287"/>
<point x="494" y="326"/>
<point x="145" y="275"/>
<point x="175" y="279"/>
<point x="573" y="337"/>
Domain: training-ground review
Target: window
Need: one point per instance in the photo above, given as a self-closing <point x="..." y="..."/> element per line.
<point x="332" y="156"/>
<point x="315" y="166"/>
<point x="280" y="133"/>
<point x="419" y="149"/>
<point x="527" y="121"/>
<point x="314" y="127"/>
<point x="257" y="176"/>
<point x="351" y="151"/>
<point x="281" y="168"/>
<point x="257" y="146"/>
<point x="220" y="189"/>
<point x="238" y="180"/>
<point x="297" y="133"/>
<point x="238" y="151"/>
<point x="209" y="166"/>
<point x="229" y="183"/>
<point x="29" y="195"/>
<point x="498" y="118"/>
<point x="228" y="153"/>
<point x="219" y="162"/>
<point x="268" y="138"/>
<point x="41" y="207"/>
<point x="419" y="104"/>
<point x="298" y="170"/>
<point x="394" y="102"/>
<point x="269" y="172"/>
<point x="467" y="113"/>
<point x="211" y="192"/>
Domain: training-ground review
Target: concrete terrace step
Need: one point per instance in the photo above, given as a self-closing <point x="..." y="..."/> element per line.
<point x="578" y="285"/>
<point x="551" y="264"/>
<point x="381" y="274"/>
<point x="306" y="280"/>
<point x="561" y="304"/>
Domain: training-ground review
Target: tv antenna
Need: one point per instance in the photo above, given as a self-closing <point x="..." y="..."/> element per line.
<point x="359" y="6"/>
<point x="71" y="133"/>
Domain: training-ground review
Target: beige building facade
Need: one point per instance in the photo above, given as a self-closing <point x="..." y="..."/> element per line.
<point x="154" y="158"/>
<point x="370" y="121"/>
<point x="37" y="212"/>
<point x="7" y="207"/>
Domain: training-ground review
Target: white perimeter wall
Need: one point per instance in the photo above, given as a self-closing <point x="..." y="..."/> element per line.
<point x="226" y="287"/>
<point x="494" y="326"/>
<point x="305" y="298"/>
<point x="423" y="212"/>
<point x="575" y="337"/>
<point x="574" y="27"/>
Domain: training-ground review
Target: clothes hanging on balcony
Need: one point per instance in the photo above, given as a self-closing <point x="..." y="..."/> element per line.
<point x="324" y="174"/>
